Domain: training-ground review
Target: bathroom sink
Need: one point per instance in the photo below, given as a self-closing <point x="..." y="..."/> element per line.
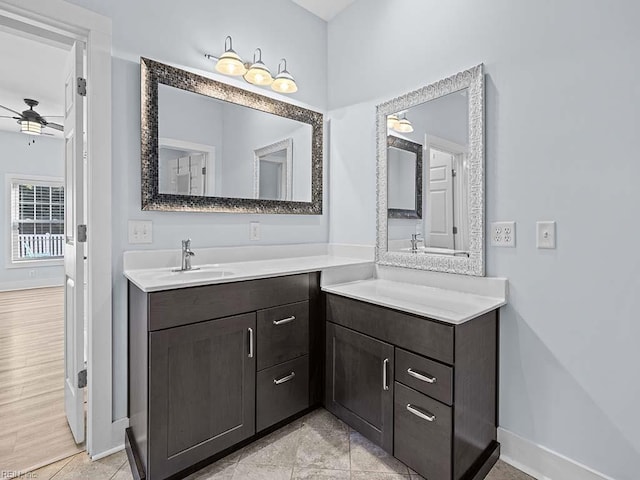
<point x="195" y="274"/>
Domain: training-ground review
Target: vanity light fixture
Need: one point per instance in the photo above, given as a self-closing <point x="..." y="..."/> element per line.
<point x="230" y="62"/>
<point x="404" y="126"/>
<point x="393" y="121"/>
<point x="30" y="127"/>
<point x="284" y="82"/>
<point x="256" y="73"/>
<point x="259" y="73"/>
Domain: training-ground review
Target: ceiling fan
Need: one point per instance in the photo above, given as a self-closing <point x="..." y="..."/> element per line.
<point x="31" y="122"/>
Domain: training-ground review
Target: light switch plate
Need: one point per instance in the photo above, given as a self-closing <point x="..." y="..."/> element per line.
<point x="140" y="231"/>
<point x="546" y="234"/>
<point x="255" y="231"/>
<point x="503" y="234"/>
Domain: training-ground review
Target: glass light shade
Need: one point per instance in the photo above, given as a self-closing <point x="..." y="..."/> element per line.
<point x="259" y="74"/>
<point x="393" y="122"/>
<point x="404" y="126"/>
<point x="284" y="83"/>
<point x="30" y="128"/>
<point x="230" y="63"/>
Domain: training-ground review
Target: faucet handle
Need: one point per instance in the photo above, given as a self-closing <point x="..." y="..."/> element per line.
<point x="186" y="243"/>
<point x="414" y="236"/>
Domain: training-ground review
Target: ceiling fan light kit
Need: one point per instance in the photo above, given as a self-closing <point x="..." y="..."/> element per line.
<point x="30" y="121"/>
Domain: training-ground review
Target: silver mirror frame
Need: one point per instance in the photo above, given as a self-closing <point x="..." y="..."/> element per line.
<point x="473" y="79"/>
<point x="152" y="74"/>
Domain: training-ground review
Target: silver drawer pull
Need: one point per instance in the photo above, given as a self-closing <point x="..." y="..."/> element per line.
<point x="250" y="330"/>
<point x="284" y="379"/>
<point x="284" y="320"/>
<point x="423" y="415"/>
<point x="421" y="377"/>
<point x="385" y="382"/>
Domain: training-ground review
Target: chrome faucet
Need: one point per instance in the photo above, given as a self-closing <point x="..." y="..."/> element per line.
<point x="187" y="253"/>
<point x="414" y="242"/>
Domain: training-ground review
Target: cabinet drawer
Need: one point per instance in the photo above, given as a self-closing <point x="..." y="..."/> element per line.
<point x="282" y="391"/>
<point x="283" y="334"/>
<point x="422" y="433"/>
<point x="424" y="375"/>
<point x="418" y="334"/>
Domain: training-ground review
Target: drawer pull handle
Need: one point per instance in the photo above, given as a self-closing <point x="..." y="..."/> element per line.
<point x="250" y="342"/>
<point x="385" y="383"/>
<point x="421" y="377"/>
<point x="423" y="415"/>
<point x="284" y="379"/>
<point x="284" y="320"/>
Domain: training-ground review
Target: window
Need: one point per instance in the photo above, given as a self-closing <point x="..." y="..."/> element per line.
<point x="37" y="220"/>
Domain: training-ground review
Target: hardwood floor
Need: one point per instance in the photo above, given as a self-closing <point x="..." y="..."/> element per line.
<point x="34" y="427"/>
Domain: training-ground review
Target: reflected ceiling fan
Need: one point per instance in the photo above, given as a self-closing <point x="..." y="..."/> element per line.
<point x="30" y="121"/>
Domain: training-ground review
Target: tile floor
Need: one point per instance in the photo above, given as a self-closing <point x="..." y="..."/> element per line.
<point x="316" y="447"/>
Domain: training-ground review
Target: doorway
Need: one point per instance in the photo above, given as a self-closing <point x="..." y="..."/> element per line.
<point x="40" y="140"/>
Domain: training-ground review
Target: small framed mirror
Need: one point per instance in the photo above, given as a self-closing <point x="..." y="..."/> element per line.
<point x="404" y="159"/>
<point x="211" y="147"/>
<point x="443" y="230"/>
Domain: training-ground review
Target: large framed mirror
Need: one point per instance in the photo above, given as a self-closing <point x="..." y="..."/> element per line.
<point x="211" y="147"/>
<point x="446" y="121"/>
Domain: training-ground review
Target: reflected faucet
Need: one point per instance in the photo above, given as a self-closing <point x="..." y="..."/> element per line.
<point x="414" y="242"/>
<point x="187" y="253"/>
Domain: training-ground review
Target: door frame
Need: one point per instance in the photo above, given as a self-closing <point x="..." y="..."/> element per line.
<point x="62" y="22"/>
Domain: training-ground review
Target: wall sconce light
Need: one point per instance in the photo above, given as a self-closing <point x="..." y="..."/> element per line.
<point x="402" y="125"/>
<point x="256" y="73"/>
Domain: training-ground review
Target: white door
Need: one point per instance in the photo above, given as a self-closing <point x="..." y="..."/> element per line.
<point x="440" y="199"/>
<point x="74" y="246"/>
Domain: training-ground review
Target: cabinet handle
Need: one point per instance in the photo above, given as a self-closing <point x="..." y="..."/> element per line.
<point x="284" y="320"/>
<point x="250" y="342"/>
<point x="284" y="379"/>
<point x="429" y="417"/>
<point x="385" y="383"/>
<point x="421" y="377"/>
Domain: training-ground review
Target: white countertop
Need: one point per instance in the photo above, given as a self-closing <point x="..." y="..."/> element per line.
<point x="450" y="306"/>
<point x="157" y="279"/>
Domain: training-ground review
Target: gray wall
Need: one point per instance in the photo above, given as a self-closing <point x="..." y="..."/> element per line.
<point x="43" y="158"/>
<point x="562" y="127"/>
<point x="180" y="33"/>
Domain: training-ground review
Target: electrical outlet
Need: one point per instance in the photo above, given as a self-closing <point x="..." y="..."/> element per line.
<point x="140" y="231"/>
<point x="254" y="231"/>
<point x="503" y="234"/>
<point x="546" y="234"/>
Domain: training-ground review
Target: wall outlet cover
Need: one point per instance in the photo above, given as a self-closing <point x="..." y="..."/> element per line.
<point x="140" y="231"/>
<point x="503" y="234"/>
<point x="546" y="234"/>
<point x="254" y="231"/>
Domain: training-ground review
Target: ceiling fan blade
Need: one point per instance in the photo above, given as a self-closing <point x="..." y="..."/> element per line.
<point x="55" y="126"/>
<point x="11" y="110"/>
<point x="48" y="134"/>
<point x="6" y="116"/>
<point x="52" y="116"/>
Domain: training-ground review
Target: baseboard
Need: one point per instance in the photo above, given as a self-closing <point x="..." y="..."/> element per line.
<point x="106" y="453"/>
<point x="540" y="462"/>
<point x="30" y="284"/>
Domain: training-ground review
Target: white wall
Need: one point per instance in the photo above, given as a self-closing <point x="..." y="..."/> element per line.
<point x="180" y="33"/>
<point x="43" y="158"/>
<point x="562" y="112"/>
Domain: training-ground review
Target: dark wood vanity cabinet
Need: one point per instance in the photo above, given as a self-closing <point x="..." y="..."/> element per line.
<point x="423" y="390"/>
<point x="212" y="366"/>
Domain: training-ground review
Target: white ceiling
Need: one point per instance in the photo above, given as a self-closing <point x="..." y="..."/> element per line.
<point x="30" y="69"/>
<point x="325" y="9"/>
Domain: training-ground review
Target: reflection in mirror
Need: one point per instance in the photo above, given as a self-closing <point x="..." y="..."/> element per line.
<point x="213" y="148"/>
<point x="404" y="186"/>
<point x="441" y="128"/>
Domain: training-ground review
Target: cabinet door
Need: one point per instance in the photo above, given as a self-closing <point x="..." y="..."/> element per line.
<point x="202" y="391"/>
<point x="359" y="380"/>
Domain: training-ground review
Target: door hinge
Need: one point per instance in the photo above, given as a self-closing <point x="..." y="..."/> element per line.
<point x="82" y="233"/>
<point x="82" y="378"/>
<point x="204" y="170"/>
<point x="455" y="230"/>
<point x="454" y="173"/>
<point x="82" y="86"/>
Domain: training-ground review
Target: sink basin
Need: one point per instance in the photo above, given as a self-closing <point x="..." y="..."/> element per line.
<point x="199" y="274"/>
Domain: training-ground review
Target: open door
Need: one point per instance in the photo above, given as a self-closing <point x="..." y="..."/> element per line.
<point x="440" y="199"/>
<point x="75" y="236"/>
